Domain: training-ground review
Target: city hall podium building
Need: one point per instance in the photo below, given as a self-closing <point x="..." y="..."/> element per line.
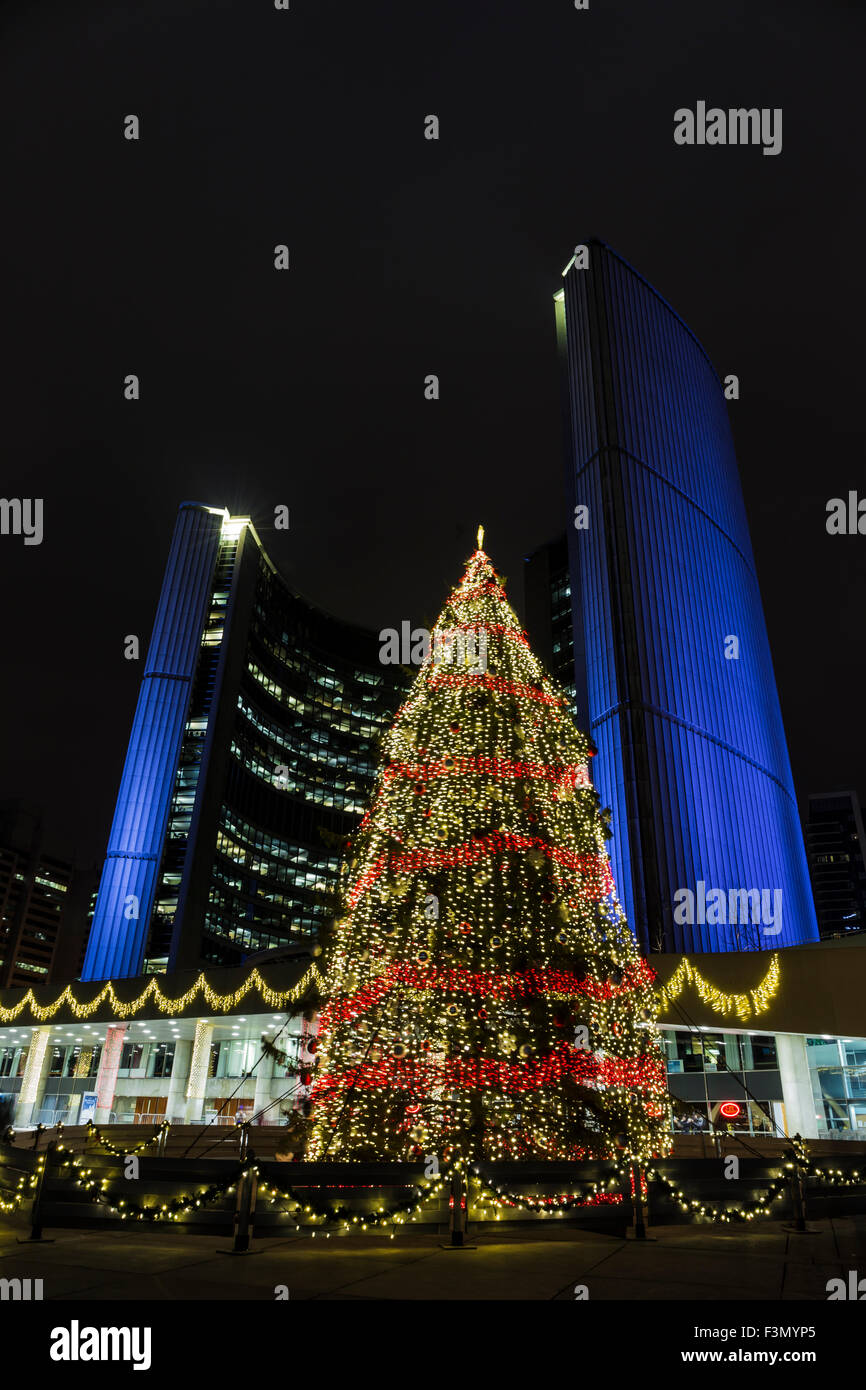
<point x="757" y="1043"/>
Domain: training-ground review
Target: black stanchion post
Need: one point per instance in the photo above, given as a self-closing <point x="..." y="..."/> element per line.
<point x="798" y="1196"/>
<point x="639" y="1225"/>
<point x="458" y="1213"/>
<point x="244" y="1212"/>
<point x="37" y="1135"/>
<point x="797" y="1167"/>
<point x="160" y="1148"/>
<point x="625" y="1190"/>
<point x="459" y="1199"/>
<point x="36" y="1235"/>
<point x="801" y="1189"/>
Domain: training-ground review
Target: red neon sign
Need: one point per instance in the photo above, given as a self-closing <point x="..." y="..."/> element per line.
<point x="730" y="1109"/>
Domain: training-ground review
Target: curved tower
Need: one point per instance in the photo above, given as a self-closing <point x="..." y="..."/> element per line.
<point x="675" y="678"/>
<point x="250" y="758"/>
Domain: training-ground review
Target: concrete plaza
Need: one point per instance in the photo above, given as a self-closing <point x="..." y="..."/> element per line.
<point x="760" y="1262"/>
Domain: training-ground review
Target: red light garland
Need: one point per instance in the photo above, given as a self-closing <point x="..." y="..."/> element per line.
<point x="518" y="689"/>
<point x="561" y="984"/>
<point x="421" y="1076"/>
<point x="594" y="869"/>
<point x="568" y="774"/>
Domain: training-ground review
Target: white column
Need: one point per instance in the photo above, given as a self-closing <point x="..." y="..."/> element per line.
<point x="264" y="1080"/>
<point x="175" y="1105"/>
<point x="33" y="1080"/>
<point x="796" y="1084"/>
<point x="196" y="1088"/>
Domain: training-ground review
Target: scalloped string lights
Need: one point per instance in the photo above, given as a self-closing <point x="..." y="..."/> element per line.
<point x="217" y="1003"/>
<point x="741" y="1006"/>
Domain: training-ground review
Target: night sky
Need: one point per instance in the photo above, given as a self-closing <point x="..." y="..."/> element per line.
<point x="408" y="257"/>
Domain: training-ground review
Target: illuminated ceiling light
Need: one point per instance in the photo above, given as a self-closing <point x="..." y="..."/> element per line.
<point x="233" y="526"/>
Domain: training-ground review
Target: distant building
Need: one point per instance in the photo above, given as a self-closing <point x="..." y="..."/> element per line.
<point x="836" y="846"/>
<point x="681" y="698"/>
<point x="251" y="757"/>
<point x="34" y="889"/>
<point x="549" y="617"/>
<point x="69" y="953"/>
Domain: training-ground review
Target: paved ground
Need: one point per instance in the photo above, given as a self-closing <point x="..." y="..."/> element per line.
<point x="765" y="1262"/>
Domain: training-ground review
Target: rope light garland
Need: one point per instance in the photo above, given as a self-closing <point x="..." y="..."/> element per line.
<point x="832" y="1177"/>
<point x="166" y="1211"/>
<point x="741" y="1006"/>
<point x="836" y="1177"/>
<point x="598" y="1194"/>
<point x="488" y="1196"/>
<point x="335" y="1216"/>
<point x="97" y="1190"/>
<point x="25" y="1182"/>
<point x="20" y="1194"/>
<point x="696" y="1208"/>
<point x="95" y="1136"/>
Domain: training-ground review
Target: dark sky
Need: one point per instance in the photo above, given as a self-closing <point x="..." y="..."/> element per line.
<point x="407" y="257"/>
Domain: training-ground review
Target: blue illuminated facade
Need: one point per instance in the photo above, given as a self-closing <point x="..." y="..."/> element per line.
<point x="132" y="862"/>
<point x="251" y="758"/>
<point x="674" y="675"/>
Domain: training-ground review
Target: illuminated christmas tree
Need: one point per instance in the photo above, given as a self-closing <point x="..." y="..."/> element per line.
<point x="483" y="993"/>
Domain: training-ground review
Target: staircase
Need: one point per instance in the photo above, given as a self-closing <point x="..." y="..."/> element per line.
<point x="182" y="1141"/>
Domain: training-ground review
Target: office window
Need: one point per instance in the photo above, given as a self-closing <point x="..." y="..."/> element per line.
<point x="763" y="1053"/>
<point x="13" y="1061"/>
<point x="131" y="1060"/>
<point x="161" y="1059"/>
